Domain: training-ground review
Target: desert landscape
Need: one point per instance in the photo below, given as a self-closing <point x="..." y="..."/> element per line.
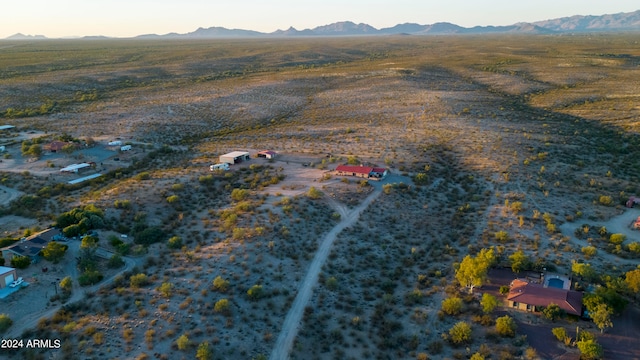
<point x="517" y="153"/>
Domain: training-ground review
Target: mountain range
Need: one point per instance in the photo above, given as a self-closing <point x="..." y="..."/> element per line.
<point x="574" y="24"/>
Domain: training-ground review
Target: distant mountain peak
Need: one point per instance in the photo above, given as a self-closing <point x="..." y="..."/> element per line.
<point x="20" y="36"/>
<point x="577" y="23"/>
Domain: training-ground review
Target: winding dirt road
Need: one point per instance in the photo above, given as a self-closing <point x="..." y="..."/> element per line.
<point x="293" y="319"/>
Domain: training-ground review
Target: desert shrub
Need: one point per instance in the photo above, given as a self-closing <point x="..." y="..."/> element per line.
<point x="560" y="333"/>
<point x="634" y="247"/>
<point x="460" y="333"/>
<point x="421" y="179"/>
<point x="452" y="305"/>
<point x="583" y="270"/>
<point x="5" y="322"/>
<point x="552" y="312"/>
<point x="222" y="306"/>
<point x="239" y="194"/>
<point x="314" y="193"/>
<point x="122" y="204"/>
<point x="165" y="289"/>
<point x="149" y="235"/>
<point x="220" y="284"/>
<point x="504" y="289"/>
<point x="502" y="236"/>
<point x="506" y="326"/>
<point x="632" y="280"/>
<point x="256" y="292"/>
<point x="331" y="283"/>
<point x="516" y="207"/>
<point x="589" y="349"/>
<point x="617" y="239"/>
<point x="589" y="251"/>
<point x="20" y="262"/>
<point x="90" y="277"/>
<point x="183" y="342"/>
<point x="143" y="176"/>
<point x="115" y="261"/>
<point x="605" y="200"/>
<point x="173" y="199"/>
<point x="54" y="251"/>
<point x="175" y="242"/>
<point x="204" y="351"/>
<point x="519" y="261"/>
<point x="138" y="280"/>
<point x="66" y="284"/>
<point x="488" y="303"/>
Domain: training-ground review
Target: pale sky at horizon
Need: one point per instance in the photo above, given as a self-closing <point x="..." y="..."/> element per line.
<point x="128" y="18"/>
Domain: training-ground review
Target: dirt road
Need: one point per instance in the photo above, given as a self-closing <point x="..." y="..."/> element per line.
<point x="293" y="319"/>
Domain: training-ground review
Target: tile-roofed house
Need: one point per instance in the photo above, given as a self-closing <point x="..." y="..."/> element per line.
<point x="530" y="297"/>
<point x="354" y="170"/>
<point x="368" y="172"/>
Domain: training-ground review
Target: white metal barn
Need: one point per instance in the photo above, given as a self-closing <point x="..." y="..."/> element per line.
<point x="234" y="157"/>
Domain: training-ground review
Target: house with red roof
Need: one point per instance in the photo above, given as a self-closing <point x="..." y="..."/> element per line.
<point x="527" y="296"/>
<point x="267" y="154"/>
<point x="361" y="171"/>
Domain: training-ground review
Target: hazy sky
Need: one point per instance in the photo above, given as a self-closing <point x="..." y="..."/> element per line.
<point x="125" y="18"/>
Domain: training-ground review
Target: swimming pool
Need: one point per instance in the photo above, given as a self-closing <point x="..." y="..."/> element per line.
<point x="556" y="283"/>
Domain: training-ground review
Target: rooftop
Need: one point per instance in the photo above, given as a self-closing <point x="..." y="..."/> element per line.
<point x="537" y="295"/>
<point x="355" y="169"/>
<point x="237" y="153"/>
<point x="4" y="269"/>
<point x="74" y="167"/>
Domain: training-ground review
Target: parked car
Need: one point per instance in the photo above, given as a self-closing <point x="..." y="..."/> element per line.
<point x="16" y="282"/>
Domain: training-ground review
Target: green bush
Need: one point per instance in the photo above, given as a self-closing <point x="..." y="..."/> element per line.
<point x="138" y="280"/>
<point x="617" y="239"/>
<point x="560" y="333"/>
<point x="460" y="333"/>
<point x="175" y="242"/>
<point x="256" y="292"/>
<point x="222" y="306"/>
<point x="239" y="194"/>
<point x="506" y="326"/>
<point x="220" y="284"/>
<point x="452" y="305"/>
<point x="314" y="193"/>
<point x="5" y="322"/>
<point x="20" y="262"/>
<point x="90" y="277"/>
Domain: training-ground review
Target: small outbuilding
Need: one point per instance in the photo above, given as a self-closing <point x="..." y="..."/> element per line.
<point x="267" y="154"/>
<point x="7" y="276"/>
<point x="235" y="157"/>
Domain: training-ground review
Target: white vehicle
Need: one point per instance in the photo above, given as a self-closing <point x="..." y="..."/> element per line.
<point x="2" y="148"/>
<point x="115" y="143"/>
<point x="16" y="283"/>
<point x="125" y="148"/>
<point x="221" y="166"/>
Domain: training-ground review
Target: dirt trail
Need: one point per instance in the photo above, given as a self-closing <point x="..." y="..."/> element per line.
<point x="293" y="319"/>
